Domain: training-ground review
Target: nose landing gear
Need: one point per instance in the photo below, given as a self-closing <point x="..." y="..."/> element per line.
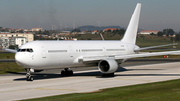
<point x="66" y="72"/>
<point x="28" y="74"/>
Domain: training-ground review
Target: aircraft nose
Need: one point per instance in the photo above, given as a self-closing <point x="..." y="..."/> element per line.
<point x="22" y="60"/>
<point x="19" y="58"/>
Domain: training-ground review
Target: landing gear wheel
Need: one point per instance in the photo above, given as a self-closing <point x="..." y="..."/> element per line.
<point x="108" y="75"/>
<point x="111" y="74"/>
<point x="63" y="73"/>
<point x="29" y="78"/>
<point x="66" y="72"/>
<point x="28" y="75"/>
<point x="70" y="73"/>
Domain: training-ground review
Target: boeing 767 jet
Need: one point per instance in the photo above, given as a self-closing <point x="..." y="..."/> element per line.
<point x="106" y="55"/>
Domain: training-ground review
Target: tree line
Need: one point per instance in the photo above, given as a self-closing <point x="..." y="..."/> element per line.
<point x="169" y="32"/>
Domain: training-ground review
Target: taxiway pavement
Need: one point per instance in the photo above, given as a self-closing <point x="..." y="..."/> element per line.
<point x="16" y="87"/>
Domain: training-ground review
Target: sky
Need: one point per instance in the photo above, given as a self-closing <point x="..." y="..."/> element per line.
<point x="155" y="14"/>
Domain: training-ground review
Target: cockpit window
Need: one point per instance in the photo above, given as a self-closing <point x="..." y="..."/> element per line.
<point x="28" y="50"/>
<point x="31" y="50"/>
<point x="25" y="50"/>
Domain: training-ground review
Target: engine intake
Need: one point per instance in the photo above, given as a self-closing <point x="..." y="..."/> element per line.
<point x="108" y="66"/>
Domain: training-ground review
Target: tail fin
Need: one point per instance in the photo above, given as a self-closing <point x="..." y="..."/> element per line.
<point x="131" y="31"/>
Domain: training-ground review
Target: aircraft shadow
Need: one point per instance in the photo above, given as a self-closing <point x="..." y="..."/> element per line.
<point x="147" y="74"/>
<point x="41" y="76"/>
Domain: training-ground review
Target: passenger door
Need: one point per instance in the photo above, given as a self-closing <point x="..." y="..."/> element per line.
<point x="70" y="51"/>
<point x="43" y="50"/>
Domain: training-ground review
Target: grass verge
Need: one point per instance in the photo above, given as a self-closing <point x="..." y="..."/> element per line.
<point x="9" y="67"/>
<point x="160" y="91"/>
<point x="7" y="55"/>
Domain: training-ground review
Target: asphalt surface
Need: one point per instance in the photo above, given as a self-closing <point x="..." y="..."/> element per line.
<point x="15" y="86"/>
<point x="7" y="60"/>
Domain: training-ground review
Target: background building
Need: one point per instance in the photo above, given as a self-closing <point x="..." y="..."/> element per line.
<point x="109" y="29"/>
<point x="148" y="32"/>
<point x="14" y="39"/>
<point x="4" y="43"/>
<point x="19" y="41"/>
<point x="36" y="29"/>
<point x="29" y="36"/>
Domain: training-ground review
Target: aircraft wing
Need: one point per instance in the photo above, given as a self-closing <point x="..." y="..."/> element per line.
<point x="10" y="50"/>
<point x="144" y="48"/>
<point x="146" y="54"/>
<point x="118" y="57"/>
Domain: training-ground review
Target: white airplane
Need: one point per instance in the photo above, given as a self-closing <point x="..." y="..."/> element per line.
<point x="107" y="55"/>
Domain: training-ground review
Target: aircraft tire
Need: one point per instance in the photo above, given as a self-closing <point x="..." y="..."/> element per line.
<point x="108" y="75"/>
<point x="70" y="73"/>
<point x="63" y="73"/>
<point x="29" y="78"/>
<point x="66" y="73"/>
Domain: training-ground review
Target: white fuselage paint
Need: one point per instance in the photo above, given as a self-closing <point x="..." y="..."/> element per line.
<point x="64" y="54"/>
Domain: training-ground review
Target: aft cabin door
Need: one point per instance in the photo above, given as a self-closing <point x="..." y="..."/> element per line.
<point x="43" y="52"/>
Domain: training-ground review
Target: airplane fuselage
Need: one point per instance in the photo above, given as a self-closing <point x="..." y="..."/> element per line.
<point x="64" y="54"/>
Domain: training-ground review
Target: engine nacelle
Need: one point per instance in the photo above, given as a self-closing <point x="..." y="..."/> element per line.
<point x="108" y="66"/>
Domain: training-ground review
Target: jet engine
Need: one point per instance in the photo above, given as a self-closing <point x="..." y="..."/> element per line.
<point x="108" y="66"/>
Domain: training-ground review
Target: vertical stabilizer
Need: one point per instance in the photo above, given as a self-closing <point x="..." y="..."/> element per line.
<point x="131" y="31"/>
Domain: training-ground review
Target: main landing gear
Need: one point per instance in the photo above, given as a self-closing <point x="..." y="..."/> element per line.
<point x="28" y="75"/>
<point x="66" y="72"/>
<point x="108" y="75"/>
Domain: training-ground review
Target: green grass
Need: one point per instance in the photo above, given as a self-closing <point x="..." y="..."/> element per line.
<point x="160" y="91"/>
<point x="152" y="40"/>
<point x="142" y="40"/>
<point x="7" y="55"/>
<point x="9" y="67"/>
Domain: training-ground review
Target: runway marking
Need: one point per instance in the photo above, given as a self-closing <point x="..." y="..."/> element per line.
<point x="39" y="89"/>
<point x="56" y="89"/>
<point x="14" y="90"/>
<point x="133" y="79"/>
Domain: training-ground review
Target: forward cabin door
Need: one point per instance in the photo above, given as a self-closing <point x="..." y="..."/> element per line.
<point x="43" y="50"/>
